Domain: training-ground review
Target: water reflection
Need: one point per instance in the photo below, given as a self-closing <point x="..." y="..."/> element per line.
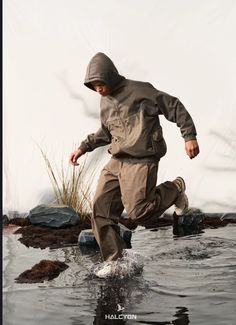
<point x="182" y="317"/>
<point x="181" y="231"/>
<point x="117" y="299"/>
<point x="118" y="302"/>
<point x="110" y="306"/>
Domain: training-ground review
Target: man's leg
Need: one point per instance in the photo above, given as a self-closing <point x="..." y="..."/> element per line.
<point x="107" y="209"/>
<point x="142" y="199"/>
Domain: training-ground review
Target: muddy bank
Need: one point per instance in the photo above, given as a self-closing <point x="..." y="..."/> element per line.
<point x="43" y="237"/>
<point x="43" y="271"/>
<point x="211" y="222"/>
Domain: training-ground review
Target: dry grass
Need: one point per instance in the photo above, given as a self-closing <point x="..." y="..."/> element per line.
<point x="71" y="186"/>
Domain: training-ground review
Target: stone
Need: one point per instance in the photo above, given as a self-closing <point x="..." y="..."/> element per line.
<point x="189" y="223"/>
<point x="125" y="233"/>
<point x="5" y="220"/>
<point x="192" y="218"/>
<point x="228" y="216"/>
<point x="87" y="238"/>
<point x="53" y="216"/>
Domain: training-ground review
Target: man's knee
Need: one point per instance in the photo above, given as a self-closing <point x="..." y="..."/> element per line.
<point x="137" y="211"/>
<point x="142" y="210"/>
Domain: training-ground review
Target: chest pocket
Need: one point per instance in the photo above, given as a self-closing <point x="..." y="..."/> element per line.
<point x="116" y="128"/>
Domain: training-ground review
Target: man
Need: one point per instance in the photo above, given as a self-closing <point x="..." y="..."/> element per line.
<point x="130" y="124"/>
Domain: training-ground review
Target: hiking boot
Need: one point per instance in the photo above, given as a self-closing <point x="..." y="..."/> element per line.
<point x="181" y="203"/>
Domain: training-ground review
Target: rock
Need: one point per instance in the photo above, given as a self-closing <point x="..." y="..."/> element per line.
<point x="192" y="220"/>
<point x="5" y="220"/>
<point x="45" y="270"/>
<point x="125" y="233"/>
<point x="53" y="216"/>
<point x="87" y="238"/>
<point x="228" y="216"/>
<point x="189" y="223"/>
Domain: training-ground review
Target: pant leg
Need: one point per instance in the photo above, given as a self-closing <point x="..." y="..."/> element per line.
<point x="107" y="209"/>
<point x="142" y="199"/>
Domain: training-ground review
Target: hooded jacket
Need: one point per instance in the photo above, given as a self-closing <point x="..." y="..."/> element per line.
<point x="130" y="115"/>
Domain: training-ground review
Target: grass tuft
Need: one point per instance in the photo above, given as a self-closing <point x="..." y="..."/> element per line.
<point x="71" y="186"/>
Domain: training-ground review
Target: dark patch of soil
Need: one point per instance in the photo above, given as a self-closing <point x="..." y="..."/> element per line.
<point x="18" y="221"/>
<point x="158" y="222"/>
<point x="42" y="237"/>
<point x="216" y="222"/>
<point x="44" y="270"/>
<point x="22" y="222"/>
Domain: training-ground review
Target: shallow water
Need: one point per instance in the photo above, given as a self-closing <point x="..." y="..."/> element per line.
<point x="185" y="280"/>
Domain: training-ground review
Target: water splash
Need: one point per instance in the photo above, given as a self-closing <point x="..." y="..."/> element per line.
<point x="129" y="264"/>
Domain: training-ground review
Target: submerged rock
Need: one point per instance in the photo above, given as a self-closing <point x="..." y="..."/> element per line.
<point x="189" y="223"/>
<point x="53" y="216"/>
<point x="190" y="219"/>
<point x="44" y="271"/>
<point x="125" y="233"/>
<point x="87" y="238"/>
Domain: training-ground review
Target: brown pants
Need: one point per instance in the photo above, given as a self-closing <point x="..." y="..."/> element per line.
<point x="131" y="186"/>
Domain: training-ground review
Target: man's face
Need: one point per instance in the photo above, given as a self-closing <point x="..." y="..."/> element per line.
<point x="101" y="88"/>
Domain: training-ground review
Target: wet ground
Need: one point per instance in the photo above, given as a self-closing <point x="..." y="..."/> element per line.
<point x="186" y="279"/>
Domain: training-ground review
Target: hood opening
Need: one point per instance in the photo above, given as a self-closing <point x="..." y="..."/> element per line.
<point x="103" y="69"/>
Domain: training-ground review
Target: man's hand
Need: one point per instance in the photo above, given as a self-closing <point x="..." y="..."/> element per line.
<point x="192" y="148"/>
<point x="74" y="156"/>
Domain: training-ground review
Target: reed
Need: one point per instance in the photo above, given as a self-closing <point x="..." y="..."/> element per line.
<point x="71" y="184"/>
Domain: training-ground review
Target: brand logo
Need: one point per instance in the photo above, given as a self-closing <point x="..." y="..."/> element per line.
<point x="120" y="308"/>
<point x="120" y="316"/>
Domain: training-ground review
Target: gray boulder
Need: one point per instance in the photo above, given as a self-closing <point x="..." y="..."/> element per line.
<point x="53" y="216"/>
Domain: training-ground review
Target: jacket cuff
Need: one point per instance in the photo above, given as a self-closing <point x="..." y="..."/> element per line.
<point x="190" y="137"/>
<point x="83" y="147"/>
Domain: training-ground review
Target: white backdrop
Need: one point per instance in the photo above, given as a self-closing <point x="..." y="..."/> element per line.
<point x="186" y="48"/>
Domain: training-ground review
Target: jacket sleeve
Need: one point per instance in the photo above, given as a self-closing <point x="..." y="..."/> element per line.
<point x="174" y="111"/>
<point x="101" y="138"/>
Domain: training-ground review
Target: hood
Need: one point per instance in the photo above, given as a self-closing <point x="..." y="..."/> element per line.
<point x="102" y="68"/>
